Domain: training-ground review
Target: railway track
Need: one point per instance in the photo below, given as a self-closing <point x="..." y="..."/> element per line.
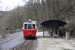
<point x="10" y="38"/>
<point x="26" y="45"/>
<point x="29" y="46"/>
<point x="15" y="48"/>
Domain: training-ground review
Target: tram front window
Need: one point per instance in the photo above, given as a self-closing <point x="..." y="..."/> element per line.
<point x="29" y="26"/>
<point x="33" y="26"/>
<point x="25" y="26"/>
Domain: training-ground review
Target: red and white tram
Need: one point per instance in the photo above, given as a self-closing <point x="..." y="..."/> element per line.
<point x="29" y="29"/>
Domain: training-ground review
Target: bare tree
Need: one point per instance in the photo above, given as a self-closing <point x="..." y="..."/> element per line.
<point x="42" y="10"/>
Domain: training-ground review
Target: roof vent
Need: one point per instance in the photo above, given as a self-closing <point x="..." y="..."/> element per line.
<point x="29" y="20"/>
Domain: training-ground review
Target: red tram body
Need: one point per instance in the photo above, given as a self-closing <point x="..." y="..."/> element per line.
<point x="29" y="29"/>
<point x="29" y="33"/>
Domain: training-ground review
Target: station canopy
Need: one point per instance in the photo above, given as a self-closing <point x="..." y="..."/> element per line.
<point x="53" y="23"/>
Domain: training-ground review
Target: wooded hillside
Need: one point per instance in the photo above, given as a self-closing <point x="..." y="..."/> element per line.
<point x="39" y="10"/>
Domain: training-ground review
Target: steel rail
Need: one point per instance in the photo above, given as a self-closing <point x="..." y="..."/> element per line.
<point x="22" y="44"/>
<point x="10" y="38"/>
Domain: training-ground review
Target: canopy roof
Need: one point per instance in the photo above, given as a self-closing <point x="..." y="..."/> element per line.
<point x="53" y="23"/>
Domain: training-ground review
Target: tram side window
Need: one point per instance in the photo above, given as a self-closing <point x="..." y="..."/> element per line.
<point x="25" y="26"/>
<point x="33" y="26"/>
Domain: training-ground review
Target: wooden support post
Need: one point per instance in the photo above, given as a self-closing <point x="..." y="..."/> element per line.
<point x="54" y="32"/>
<point x="43" y="31"/>
<point x="63" y="31"/>
<point x="58" y="32"/>
<point x="67" y="35"/>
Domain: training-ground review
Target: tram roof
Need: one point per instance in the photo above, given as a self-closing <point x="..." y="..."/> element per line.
<point x="53" y="23"/>
<point x="32" y="22"/>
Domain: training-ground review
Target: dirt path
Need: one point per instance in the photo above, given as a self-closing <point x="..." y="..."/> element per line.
<point x="49" y="43"/>
<point x="55" y="44"/>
